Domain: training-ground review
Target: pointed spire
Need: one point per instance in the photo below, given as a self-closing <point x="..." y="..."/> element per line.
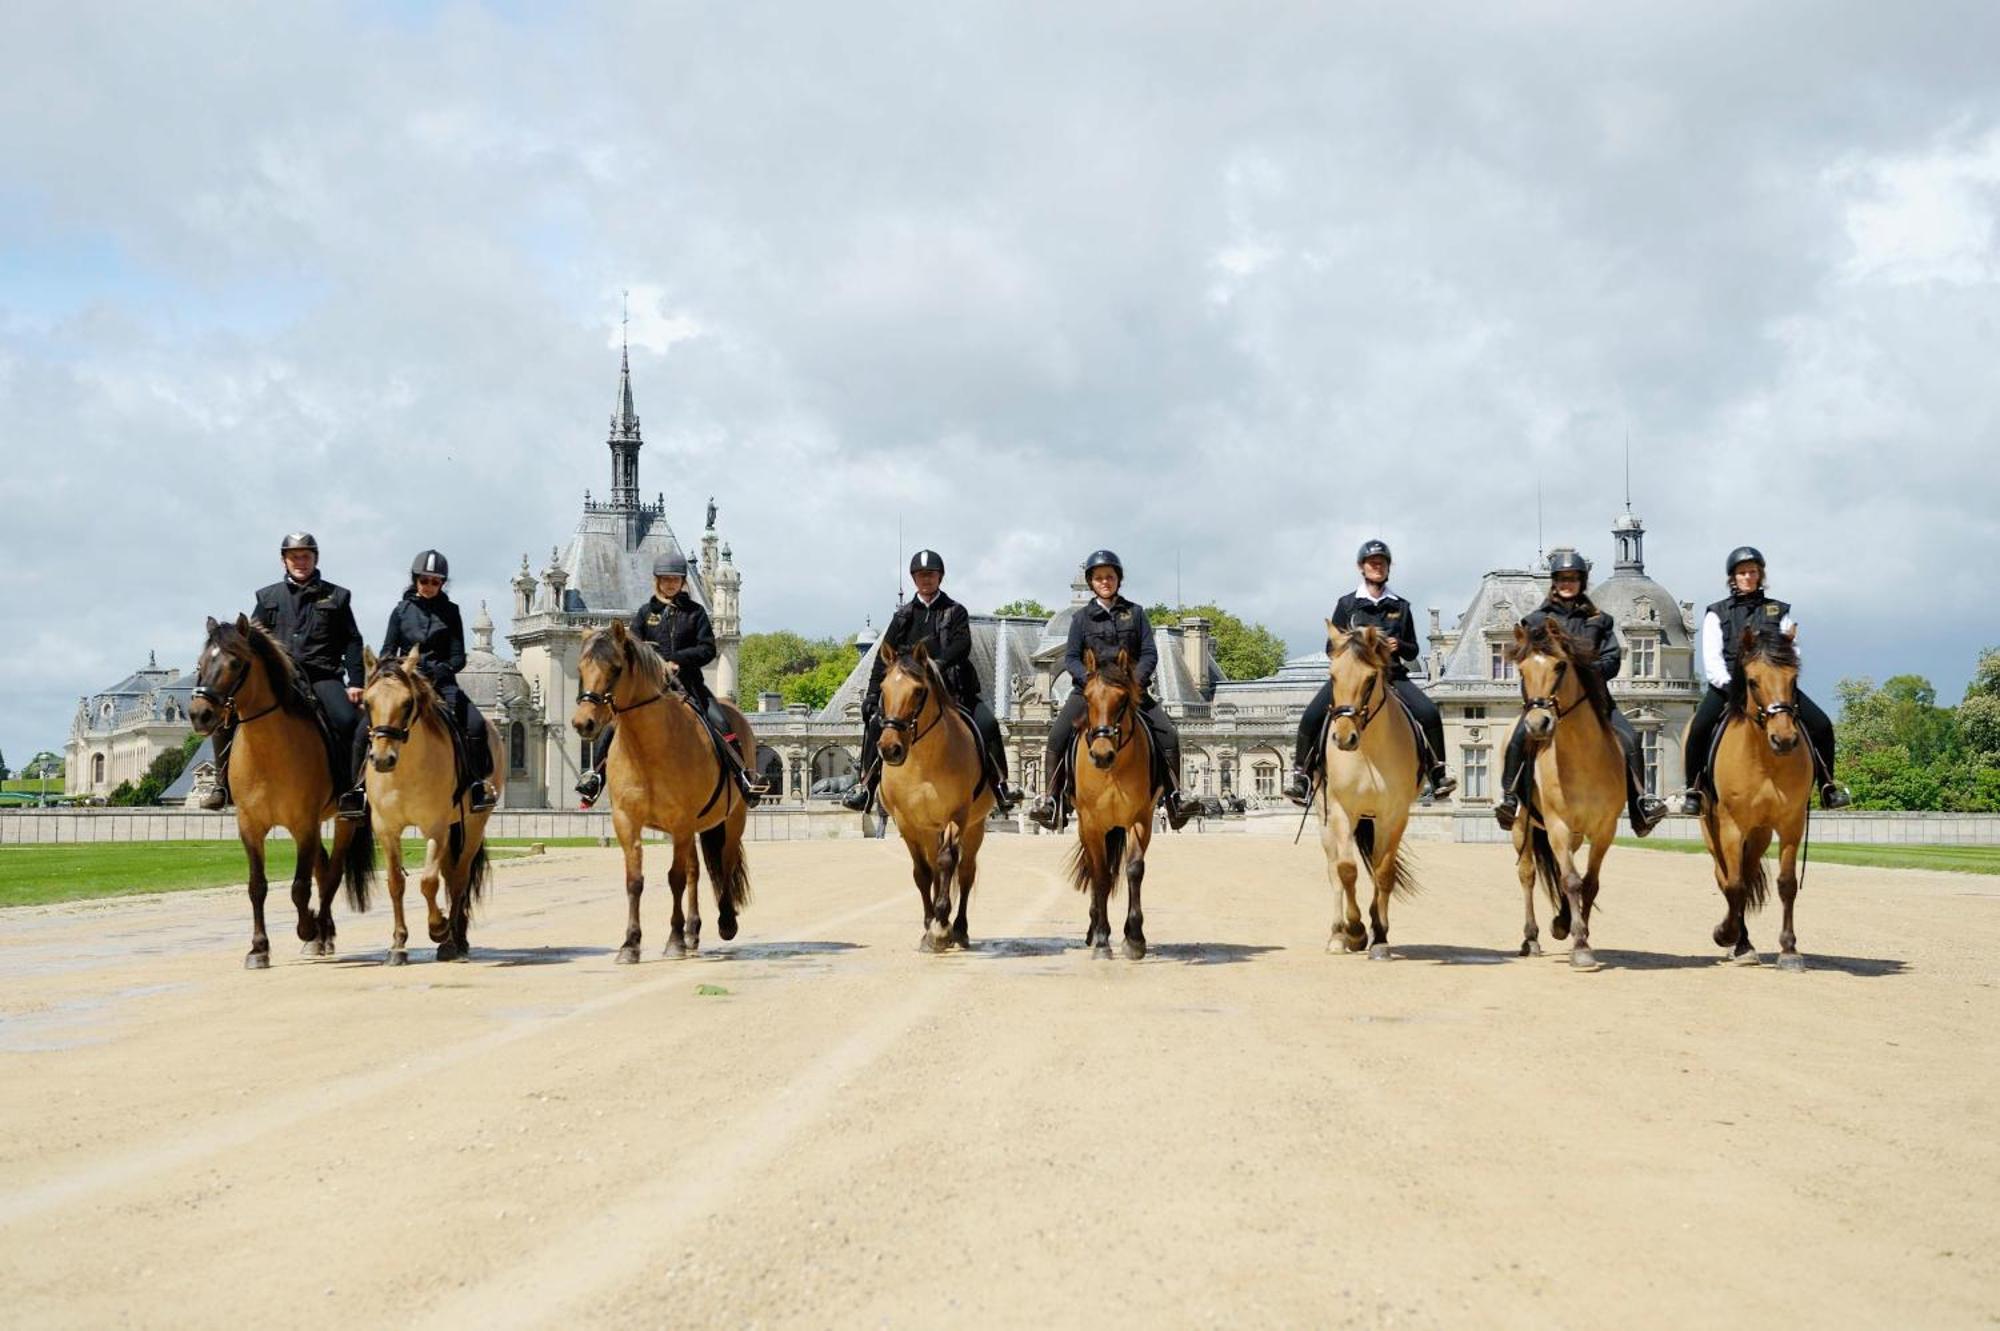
<point x="624" y="419"/>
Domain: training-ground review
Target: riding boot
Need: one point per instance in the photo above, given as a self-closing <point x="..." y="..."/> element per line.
<point x="1047" y="812"/>
<point x="862" y="793"/>
<point x="1513" y="767"/>
<point x="353" y="803"/>
<point x="591" y="784"/>
<point x="217" y="797"/>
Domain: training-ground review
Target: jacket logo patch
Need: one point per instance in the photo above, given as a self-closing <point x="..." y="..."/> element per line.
<point x="1772" y="611"/>
<point x="652" y="620"/>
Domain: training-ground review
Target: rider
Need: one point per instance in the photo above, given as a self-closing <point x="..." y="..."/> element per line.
<point x="1105" y="624"/>
<point x="1372" y="604"/>
<point x="428" y="620"/>
<point x="1569" y="606"/>
<point x="313" y="620"/>
<point x="679" y="629"/>
<point x="941" y="624"/>
<point x="1722" y="628"/>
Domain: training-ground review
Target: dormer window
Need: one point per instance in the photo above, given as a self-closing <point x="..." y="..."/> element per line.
<point x="1499" y="667"/>
<point x="1645" y="656"/>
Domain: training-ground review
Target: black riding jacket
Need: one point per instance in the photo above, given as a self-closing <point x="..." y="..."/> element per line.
<point x="945" y="630"/>
<point x="1582" y="622"/>
<point x="1104" y="631"/>
<point x="680" y="631"/>
<point x="432" y="626"/>
<point x="1739" y="612"/>
<point x="314" y="621"/>
<point x="1391" y="616"/>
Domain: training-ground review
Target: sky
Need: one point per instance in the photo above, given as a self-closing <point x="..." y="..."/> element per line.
<point x="1233" y="286"/>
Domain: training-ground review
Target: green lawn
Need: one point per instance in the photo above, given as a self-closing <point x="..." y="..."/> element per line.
<point x="36" y="875"/>
<point x="1950" y="859"/>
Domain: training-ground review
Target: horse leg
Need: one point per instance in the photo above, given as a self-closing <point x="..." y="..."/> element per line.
<point x="325" y="871"/>
<point x="1135" y="878"/>
<point x="1388" y="845"/>
<point x="938" y="928"/>
<point x="968" y="870"/>
<point x="399" y="937"/>
<point x="302" y="887"/>
<point x="328" y="875"/>
<point x="429" y="875"/>
<point x="1343" y="872"/>
<point x="1571" y="915"/>
<point x="458" y="888"/>
<point x="1099" y="937"/>
<point x="1788" y="892"/>
<point x="678" y="944"/>
<point x="259" y="956"/>
<point x="1586" y="899"/>
<point x="923" y="875"/>
<point x="635" y="882"/>
<point x="1524" y="869"/>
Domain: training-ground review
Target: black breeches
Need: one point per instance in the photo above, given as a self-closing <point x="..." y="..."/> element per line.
<point x="988" y="726"/>
<point x="1715" y="706"/>
<point x="1819" y="733"/>
<point x="1312" y="726"/>
<point x="1428" y="718"/>
<point x="472" y="725"/>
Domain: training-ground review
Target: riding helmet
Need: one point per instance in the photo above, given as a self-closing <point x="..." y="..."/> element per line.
<point x="673" y="565"/>
<point x="298" y="540"/>
<point x="927" y="561"/>
<point x="1370" y="549"/>
<point x="1103" y="559"/>
<point x="1743" y="554"/>
<point x="430" y="564"/>
<point x="1566" y="560"/>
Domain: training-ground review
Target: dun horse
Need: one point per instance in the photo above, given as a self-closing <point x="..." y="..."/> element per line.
<point x="413" y="781"/>
<point x="1763" y="782"/>
<point x="1579" y="784"/>
<point x="280" y="777"/>
<point x="665" y="771"/>
<point x="1369" y="777"/>
<point x="934" y="786"/>
<point x="1114" y="799"/>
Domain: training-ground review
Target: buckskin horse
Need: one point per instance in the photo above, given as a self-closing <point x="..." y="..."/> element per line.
<point x="1114" y="798"/>
<point x="1368" y="780"/>
<point x="1763" y="773"/>
<point x="934" y="786"/>
<point x="414" y="780"/>
<point x="280" y="776"/>
<point x="666" y="770"/>
<point x="1579" y="784"/>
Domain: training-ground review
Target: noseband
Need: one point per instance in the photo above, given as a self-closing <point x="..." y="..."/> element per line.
<point x="911" y="723"/>
<point x="1116" y="732"/>
<point x="227" y="701"/>
<point x="604" y="699"/>
<point x="1362" y="715"/>
<point x="1549" y="702"/>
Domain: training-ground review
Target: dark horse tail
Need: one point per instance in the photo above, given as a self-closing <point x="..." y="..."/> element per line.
<point x="1114" y="856"/>
<point x="1395" y="875"/>
<point x="1546" y="867"/>
<point x="479" y="872"/>
<point x="727" y="868"/>
<point x="357" y="865"/>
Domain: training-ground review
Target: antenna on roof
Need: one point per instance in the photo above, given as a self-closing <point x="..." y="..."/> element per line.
<point x="899" y="563"/>
<point x="1180" y="606"/>
<point x="1628" y="469"/>
<point x="1541" y="551"/>
<point x="625" y="320"/>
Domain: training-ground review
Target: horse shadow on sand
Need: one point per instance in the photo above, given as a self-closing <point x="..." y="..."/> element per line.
<point x="1447" y="954"/>
<point x="1183" y="954"/>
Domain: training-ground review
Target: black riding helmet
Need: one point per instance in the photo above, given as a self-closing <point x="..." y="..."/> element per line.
<point x="673" y="565"/>
<point x="431" y="564"/>
<point x="1743" y="554"/>
<point x="1568" y="561"/>
<point x="298" y="540"/>
<point x="927" y="561"/>
<point x="1104" y="559"/>
<point x="1370" y="549"/>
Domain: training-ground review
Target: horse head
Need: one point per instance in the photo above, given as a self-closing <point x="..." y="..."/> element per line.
<point x="1111" y="702"/>
<point x="606" y="654"/>
<point x="1550" y="684"/>
<point x="226" y="662"/>
<point x="395" y="697"/>
<point x="1358" y="671"/>
<point x="908" y="681"/>
<point x="1765" y="685"/>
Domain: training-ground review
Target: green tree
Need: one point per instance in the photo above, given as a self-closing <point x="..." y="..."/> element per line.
<point x="766" y="660"/>
<point x="1244" y="651"/>
<point x="4" y="773"/>
<point x="1902" y="713"/>
<point x="1979" y="726"/>
<point x="44" y="764"/>
<point x="162" y="772"/>
<point x="816" y="687"/>
<point x="1028" y="607"/>
<point x="1985" y="676"/>
<point x="120" y="794"/>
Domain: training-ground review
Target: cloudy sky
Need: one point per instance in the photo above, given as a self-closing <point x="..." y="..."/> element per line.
<point x="1238" y="284"/>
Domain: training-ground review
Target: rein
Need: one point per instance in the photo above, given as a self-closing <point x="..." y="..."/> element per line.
<point x="913" y="722"/>
<point x="1549" y="703"/>
<point x="604" y="699"/>
<point x="1120" y="734"/>
<point x="227" y="701"/>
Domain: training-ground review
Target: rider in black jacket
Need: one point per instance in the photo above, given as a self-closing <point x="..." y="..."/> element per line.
<point x="1106" y="624"/>
<point x="313" y="620"/>
<point x="942" y="625"/>
<point x="1569" y="606"/>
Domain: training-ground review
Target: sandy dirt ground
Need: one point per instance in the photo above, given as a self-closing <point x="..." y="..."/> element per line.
<point x="1238" y="1130"/>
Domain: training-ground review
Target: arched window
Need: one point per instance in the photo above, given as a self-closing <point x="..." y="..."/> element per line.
<point x="517" y="747"/>
<point x="96" y="769"/>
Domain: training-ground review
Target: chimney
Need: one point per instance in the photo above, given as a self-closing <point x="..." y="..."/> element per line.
<point x="1197" y="651"/>
<point x="771" y="701"/>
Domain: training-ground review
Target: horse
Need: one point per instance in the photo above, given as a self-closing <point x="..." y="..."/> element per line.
<point x="1369" y="776"/>
<point x="1579" y="774"/>
<point x="665" y="770"/>
<point x="934" y="786"/>
<point x="1763" y="774"/>
<point x="1114" y="798"/>
<point x="278" y="772"/>
<point x="412" y="777"/>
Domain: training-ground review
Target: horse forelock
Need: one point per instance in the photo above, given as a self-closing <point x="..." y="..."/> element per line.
<point x="1769" y="648"/>
<point x="288" y="679"/>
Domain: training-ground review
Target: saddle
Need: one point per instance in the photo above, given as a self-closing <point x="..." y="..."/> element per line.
<point x="987" y="775"/>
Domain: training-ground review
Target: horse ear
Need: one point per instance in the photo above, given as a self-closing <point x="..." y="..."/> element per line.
<point x="1090" y="660"/>
<point x="212" y="626"/>
<point x="369" y="661"/>
<point x="888" y="652"/>
<point x="1125" y="659"/>
<point x="1521" y="636"/>
<point x="412" y="659"/>
<point x="922" y="654"/>
<point x="242" y="623"/>
<point x="619" y="633"/>
<point x="1371" y="638"/>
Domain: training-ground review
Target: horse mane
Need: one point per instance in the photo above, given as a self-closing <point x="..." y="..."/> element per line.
<point x="1769" y="646"/>
<point x="288" y="678"/>
<point x="416" y="681"/>
<point x="930" y="674"/>
<point x="1547" y="638"/>
<point x="1356" y="644"/>
<point x="600" y="648"/>
<point x="1116" y="675"/>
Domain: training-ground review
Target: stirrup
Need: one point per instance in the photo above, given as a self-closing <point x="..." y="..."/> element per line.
<point x="1833" y="795"/>
<point x="1693" y="802"/>
<point x="1045" y="813"/>
<point x="1299" y="788"/>
<point x="857" y="798"/>
<point x="353" y="805"/>
<point x="1443" y="783"/>
<point x="1179" y="811"/>
<point x="1647" y="811"/>
<point x="1506" y="811"/>
<point x="215" y="801"/>
<point x="590" y="787"/>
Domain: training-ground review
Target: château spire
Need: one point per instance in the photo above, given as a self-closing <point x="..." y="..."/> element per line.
<point x="624" y="441"/>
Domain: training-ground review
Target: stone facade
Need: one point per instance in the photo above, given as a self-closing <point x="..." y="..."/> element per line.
<point x="118" y="732"/>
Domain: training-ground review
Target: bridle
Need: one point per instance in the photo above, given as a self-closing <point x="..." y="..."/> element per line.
<point x="399" y="734"/>
<point x="1363" y="714"/>
<point x="604" y="699"/>
<point x="913" y="722"/>
<point x="1548" y="702"/>
<point x="1762" y="715"/>
<point x="1117" y="732"/>
<point x="227" y="701"/>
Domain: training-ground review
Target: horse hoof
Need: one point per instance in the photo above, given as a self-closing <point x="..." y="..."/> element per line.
<point x="257" y="961"/>
<point x="308" y="930"/>
<point x="396" y="957"/>
<point x="1530" y="948"/>
<point x="447" y="952"/>
<point x="961" y="939"/>
<point x="1747" y="957"/>
<point x="464" y="952"/>
<point x="676" y="947"/>
<point x="1724" y="936"/>
<point x="440" y="931"/>
<point x="1559" y="929"/>
<point x="726" y="926"/>
<point x="1583" y="959"/>
<point x="1135" y="949"/>
<point x="1791" y="961"/>
<point x="627" y="955"/>
<point x="935" y="942"/>
<point x="1379" y="952"/>
<point x="1101" y="950"/>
